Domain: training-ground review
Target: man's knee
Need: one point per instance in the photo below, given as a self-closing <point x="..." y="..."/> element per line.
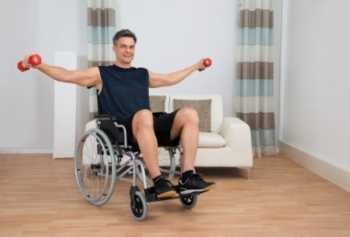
<point x="142" y="120"/>
<point x="189" y="115"/>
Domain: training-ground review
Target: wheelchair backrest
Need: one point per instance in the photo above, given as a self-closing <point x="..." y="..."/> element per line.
<point x="94" y="103"/>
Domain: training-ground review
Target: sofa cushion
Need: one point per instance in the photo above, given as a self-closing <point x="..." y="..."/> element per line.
<point x="211" y="140"/>
<point x="203" y="108"/>
<point x="216" y="117"/>
<point x="157" y="103"/>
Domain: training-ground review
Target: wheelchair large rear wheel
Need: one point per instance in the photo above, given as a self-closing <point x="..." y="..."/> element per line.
<point x="95" y="167"/>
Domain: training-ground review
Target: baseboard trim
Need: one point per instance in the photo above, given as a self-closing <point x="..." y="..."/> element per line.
<point x="322" y="168"/>
<point x="24" y="151"/>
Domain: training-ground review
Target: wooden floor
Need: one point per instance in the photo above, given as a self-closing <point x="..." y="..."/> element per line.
<point x="39" y="197"/>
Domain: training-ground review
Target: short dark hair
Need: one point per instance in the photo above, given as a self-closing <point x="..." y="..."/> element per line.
<point x="124" y="33"/>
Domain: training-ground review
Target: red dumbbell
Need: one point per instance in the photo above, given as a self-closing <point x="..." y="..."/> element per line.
<point x="207" y="62"/>
<point x="33" y="60"/>
<point x="21" y="66"/>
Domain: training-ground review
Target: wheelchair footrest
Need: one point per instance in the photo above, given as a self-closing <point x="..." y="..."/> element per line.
<point x="151" y="195"/>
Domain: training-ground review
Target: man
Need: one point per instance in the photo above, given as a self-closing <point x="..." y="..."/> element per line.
<point x="123" y="91"/>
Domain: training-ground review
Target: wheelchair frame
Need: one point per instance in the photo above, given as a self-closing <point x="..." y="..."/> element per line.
<point x="123" y="160"/>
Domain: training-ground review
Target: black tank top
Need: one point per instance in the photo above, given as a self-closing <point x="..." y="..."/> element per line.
<point x="123" y="92"/>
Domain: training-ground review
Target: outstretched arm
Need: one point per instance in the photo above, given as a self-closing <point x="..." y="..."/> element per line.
<point x="87" y="77"/>
<point x="159" y="80"/>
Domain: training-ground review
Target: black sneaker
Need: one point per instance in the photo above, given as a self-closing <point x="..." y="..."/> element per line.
<point x="164" y="189"/>
<point x="194" y="184"/>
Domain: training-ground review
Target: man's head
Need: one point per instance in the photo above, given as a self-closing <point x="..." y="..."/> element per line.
<point x="124" y="46"/>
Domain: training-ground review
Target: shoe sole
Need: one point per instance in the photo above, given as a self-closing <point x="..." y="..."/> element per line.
<point x="189" y="191"/>
<point x="168" y="194"/>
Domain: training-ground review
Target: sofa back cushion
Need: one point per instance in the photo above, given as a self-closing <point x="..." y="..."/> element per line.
<point x="216" y="108"/>
<point x="158" y="103"/>
<point x="203" y="108"/>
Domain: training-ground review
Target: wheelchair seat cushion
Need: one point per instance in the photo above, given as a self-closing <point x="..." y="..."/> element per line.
<point x="162" y="123"/>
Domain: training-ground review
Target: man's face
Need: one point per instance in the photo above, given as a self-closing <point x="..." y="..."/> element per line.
<point x="124" y="49"/>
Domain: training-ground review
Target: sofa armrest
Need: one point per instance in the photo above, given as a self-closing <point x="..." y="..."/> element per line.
<point x="237" y="135"/>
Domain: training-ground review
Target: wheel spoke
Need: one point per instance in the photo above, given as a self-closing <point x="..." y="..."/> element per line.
<point x="93" y="178"/>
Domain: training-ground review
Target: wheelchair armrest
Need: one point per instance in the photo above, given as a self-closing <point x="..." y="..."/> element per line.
<point x="115" y="132"/>
<point x="105" y="117"/>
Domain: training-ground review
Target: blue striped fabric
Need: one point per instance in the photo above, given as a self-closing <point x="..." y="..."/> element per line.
<point x="100" y="35"/>
<point x="252" y="33"/>
<point x="263" y="137"/>
<point x="258" y="87"/>
<point x="101" y="25"/>
<point x="256" y="36"/>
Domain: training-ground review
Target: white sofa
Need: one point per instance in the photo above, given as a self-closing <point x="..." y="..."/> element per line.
<point x="228" y="144"/>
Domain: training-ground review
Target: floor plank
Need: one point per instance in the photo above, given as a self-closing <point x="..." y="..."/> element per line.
<point x="39" y="197"/>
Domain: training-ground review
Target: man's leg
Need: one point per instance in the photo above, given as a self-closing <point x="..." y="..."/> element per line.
<point x="142" y="128"/>
<point x="143" y="131"/>
<point x="185" y="125"/>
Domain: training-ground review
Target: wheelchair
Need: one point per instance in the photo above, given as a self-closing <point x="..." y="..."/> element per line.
<point x="104" y="157"/>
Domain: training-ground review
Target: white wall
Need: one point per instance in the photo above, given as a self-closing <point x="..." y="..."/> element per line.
<point x="316" y="80"/>
<point x="26" y="99"/>
<point x="175" y="34"/>
<point x="172" y="35"/>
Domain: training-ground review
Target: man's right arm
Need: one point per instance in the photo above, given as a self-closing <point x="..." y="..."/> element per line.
<point x="87" y="77"/>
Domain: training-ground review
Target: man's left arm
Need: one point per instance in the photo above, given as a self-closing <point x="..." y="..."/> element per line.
<point x="160" y="80"/>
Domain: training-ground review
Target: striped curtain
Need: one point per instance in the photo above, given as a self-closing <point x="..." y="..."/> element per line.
<point x="101" y="29"/>
<point x="255" y="100"/>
